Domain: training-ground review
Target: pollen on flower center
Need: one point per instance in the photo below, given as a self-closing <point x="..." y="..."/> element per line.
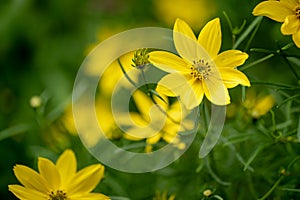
<point x="58" y="195"/>
<point x="297" y="10"/>
<point x="200" y="69"/>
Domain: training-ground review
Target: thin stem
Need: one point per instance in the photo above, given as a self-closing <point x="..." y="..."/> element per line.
<point x="288" y="62"/>
<point x="264" y="58"/>
<point x="272" y="188"/>
<point x="253" y="34"/>
<point x="145" y="80"/>
<point x="285" y="86"/>
<point x="293" y="162"/>
<point x="124" y="72"/>
<point x="288" y="99"/>
<point x="247" y="31"/>
<point x="213" y="174"/>
<point x="242" y="68"/>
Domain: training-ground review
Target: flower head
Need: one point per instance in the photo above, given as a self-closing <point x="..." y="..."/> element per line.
<point x="58" y="181"/>
<point x="163" y="196"/>
<point x="258" y="104"/>
<point x="158" y="122"/>
<point x="286" y="11"/>
<point x="201" y="69"/>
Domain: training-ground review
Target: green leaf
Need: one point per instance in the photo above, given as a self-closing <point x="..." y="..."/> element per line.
<point x="15" y="130"/>
<point x="253" y="156"/>
<point x="247" y="31"/>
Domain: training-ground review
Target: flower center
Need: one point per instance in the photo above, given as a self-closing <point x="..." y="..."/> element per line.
<point x="200" y="69"/>
<point x="140" y="58"/>
<point x="58" y="195"/>
<point x="297" y="10"/>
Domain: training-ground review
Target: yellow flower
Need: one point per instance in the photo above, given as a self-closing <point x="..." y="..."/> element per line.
<point x="113" y="73"/>
<point x="58" y="181"/>
<point x="286" y="11"/>
<point x="155" y="123"/>
<point x="105" y="121"/>
<point x="204" y="70"/>
<point x="258" y="105"/>
<point x="163" y="196"/>
<point x="167" y="10"/>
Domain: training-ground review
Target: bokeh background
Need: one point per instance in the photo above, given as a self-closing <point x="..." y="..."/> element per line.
<point x="42" y="45"/>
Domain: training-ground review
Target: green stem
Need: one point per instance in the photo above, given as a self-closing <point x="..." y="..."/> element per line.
<point x="288" y="99"/>
<point x="242" y="68"/>
<point x="272" y="188"/>
<point x="213" y="174"/>
<point x="247" y="31"/>
<point x="264" y="58"/>
<point x="253" y="34"/>
<point x="288" y="62"/>
<point x="124" y="72"/>
<point x="285" y="86"/>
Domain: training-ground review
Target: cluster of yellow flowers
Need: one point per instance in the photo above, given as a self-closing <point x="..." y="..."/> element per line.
<point x="199" y="70"/>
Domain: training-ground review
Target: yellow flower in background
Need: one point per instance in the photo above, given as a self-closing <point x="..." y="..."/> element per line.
<point x="155" y="123"/>
<point x="258" y="104"/>
<point x="113" y="73"/>
<point x="286" y="11"/>
<point x="105" y="121"/>
<point x="205" y="71"/>
<point x="58" y="181"/>
<point x="163" y="196"/>
<point x="104" y="33"/>
<point x="190" y="10"/>
<point x="263" y="105"/>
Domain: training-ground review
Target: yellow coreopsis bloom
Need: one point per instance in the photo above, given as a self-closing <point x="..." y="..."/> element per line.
<point x="58" y="181"/>
<point x="167" y="10"/>
<point x="286" y="11"/>
<point x="200" y="66"/>
<point x="157" y="124"/>
<point x="258" y="104"/>
<point x="163" y="196"/>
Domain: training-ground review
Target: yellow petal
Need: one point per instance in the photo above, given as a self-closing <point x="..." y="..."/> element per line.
<point x="144" y="103"/>
<point x="290" y="3"/>
<point x="49" y="171"/>
<point x="296" y="38"/>
<point x="26" y="193"/>
<point x="185" y="40"/>
<point x="232" y="77"/>
<point x="210" y="37"/>
<point x="275" y="10"/>
<point x="263" y="106"/>
<point x="154" y="139"/>
<point x="132" y="119"/>
<point x="172" y="84"/>
<point x="168" y="62"/>
<point x="215" y="91"/>
<point x="131" y="137"/>
<point x="291" y="25"/>
<point x="86" y="179"/>
<point x="66" y="165"/>
<point x="31" y="179"/>
<point x="137" y="133"/>
<point x="193" y="95"/>
<point x="230" y="58"/>
<point x="90" y="196"/>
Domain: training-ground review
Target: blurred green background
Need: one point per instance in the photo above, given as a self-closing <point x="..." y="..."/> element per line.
<point x="42" y="45"/>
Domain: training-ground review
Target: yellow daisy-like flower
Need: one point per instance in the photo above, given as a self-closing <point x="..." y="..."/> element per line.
<point x="155" y="123"/>
<point x="163" y="196"/>
<point x="286" y="11"/>
<point x="205" y="70"/>
<point x="258" y="104"/>
<point x="58" y="181"/>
